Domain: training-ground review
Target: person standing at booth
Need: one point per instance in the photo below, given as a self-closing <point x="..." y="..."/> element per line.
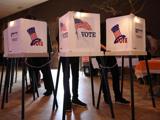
<point x="42" y="64"/>
<point x="73" y="64"/>
<point x="37" y="64"/>
<point x="111" y="64"/>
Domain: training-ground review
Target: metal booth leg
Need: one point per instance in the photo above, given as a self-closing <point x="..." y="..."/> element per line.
<point x="64" y="97"/>
<point x="150" y="82"/>
<point x="99" y="95"/>
<point x="6" y="83"/>
<point x="92" y="83"/>
<point x="122" y="77"/>
<point x="132" y="89"/>
<point x="56" y="86"/>
<point x="23" y="90"/>
<point x="104" y="78"/>
<point x="2" y="73"/>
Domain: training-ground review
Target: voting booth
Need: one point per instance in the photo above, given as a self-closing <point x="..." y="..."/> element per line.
<point x="125" y="33"/>
<point x="25" y="38"/>
<point x="79" y="33"/>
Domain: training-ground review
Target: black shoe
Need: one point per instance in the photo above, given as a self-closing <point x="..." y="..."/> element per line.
<point x="122" y="101"/>
<point x="68" y="106"/>
<point x="47" y="93"/>
<point x="78" y="103"/>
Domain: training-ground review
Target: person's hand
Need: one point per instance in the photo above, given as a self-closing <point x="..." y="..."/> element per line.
<point x="103" y="47"/>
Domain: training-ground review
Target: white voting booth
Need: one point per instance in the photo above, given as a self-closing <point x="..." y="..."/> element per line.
<point x="25" y="38"/>
<point x="79" y="34"/>
<point x="125" y="33"/>
<point x="126" y="37"/>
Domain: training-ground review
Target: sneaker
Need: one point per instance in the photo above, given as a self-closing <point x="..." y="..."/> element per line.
<point x="47" y="93"/>
<point x="122" y="101"/>
<point x="78" y="103"/>
<point x="68" y="107"/>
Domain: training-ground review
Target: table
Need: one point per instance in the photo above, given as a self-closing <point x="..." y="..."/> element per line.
<point x="154" y="67"/>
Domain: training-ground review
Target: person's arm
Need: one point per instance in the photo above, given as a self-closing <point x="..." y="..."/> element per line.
<point x="49" y="44"/>
<point x="103" y="47"/>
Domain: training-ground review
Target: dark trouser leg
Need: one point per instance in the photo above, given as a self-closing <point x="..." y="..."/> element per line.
<point x="47" y="78"/>
<point x="112" y="64"/>
<point x="101" y="61"/>
<point x="104" y="88"/>
<point x="66" y="75"/>
<point x="75" y="76"/>
<point x="37" y="75"/>
<point x="36" y="71"/>
<point x="115" y="78"/>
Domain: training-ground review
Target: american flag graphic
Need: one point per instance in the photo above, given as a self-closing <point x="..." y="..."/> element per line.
<point x="63" y="27"/>
<point x="82" y="24"/>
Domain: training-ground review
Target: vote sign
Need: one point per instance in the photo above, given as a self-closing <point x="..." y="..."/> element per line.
<point x="79" y="32"/>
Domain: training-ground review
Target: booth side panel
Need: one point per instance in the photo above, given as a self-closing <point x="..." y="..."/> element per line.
<point x="118" y="34"/>
<point x="34" y="36"/>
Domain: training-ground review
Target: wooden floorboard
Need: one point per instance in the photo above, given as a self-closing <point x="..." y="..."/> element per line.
<point x="41" y="108"/>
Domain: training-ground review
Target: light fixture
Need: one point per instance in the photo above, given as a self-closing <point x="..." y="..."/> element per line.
<point x="80" y="15"/>
<point x="11" y="23"/>
<point x="137" y="20"/>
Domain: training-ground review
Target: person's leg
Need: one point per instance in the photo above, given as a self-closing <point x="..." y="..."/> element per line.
<point x="111" y="63"/>
<point x="75" y="81"/>
<point x="101" y="62"/>
<point x="48" y="80"/>
<point x="37" y="74"/>
<point x="66" y="76"/>
<point x="104" y="87"/>
<point x="116" y="81"/>
<point x="33" y="73"/>
<point x="75" y="75"/>
<point x="116" y="84"/>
